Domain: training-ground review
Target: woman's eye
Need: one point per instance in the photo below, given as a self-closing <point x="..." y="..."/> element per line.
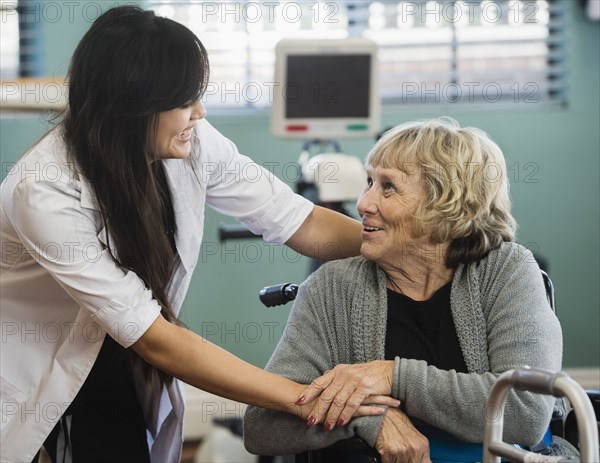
<point x="369" y="181"/>
<point x="390" y="186"/>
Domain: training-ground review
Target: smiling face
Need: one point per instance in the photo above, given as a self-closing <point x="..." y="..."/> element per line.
<point x="175" y="129"/>
<point x="386" y="207"/>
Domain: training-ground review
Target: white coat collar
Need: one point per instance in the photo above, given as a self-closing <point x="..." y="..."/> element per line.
<point x="88" y="200"/>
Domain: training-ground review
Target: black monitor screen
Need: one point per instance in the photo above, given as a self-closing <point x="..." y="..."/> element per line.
<point x="322" y="86"/>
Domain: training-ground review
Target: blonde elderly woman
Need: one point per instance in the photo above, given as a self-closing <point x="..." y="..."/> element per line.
<point x="441" y="301"/>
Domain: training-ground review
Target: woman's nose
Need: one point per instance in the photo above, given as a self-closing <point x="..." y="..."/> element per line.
<point x="198" y="111"/>
<point x="366" y="203"/>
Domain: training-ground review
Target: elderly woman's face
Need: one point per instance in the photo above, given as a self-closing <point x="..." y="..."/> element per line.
<point x="386" y="207"/>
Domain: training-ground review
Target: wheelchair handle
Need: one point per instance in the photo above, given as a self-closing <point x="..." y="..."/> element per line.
<point x="544" y="382"/>
<point x="275" y="295"/>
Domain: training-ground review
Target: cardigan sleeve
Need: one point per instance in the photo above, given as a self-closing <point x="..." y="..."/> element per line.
<point x="303" y="354"/>
<point x="521" y="330"/>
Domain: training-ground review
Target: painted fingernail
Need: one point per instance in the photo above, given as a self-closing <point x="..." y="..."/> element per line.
<point x="340" y="422"/>
<point x="327" y="427"/>
<point x="311" y="421"/>
<point x="301" y="400"/>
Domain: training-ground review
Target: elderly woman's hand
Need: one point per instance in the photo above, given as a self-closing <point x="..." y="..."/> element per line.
<point x="399" y="440"/>
<point x="345" y="388"/>
<point x="371" y="406"/>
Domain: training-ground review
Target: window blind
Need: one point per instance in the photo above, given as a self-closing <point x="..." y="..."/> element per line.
<point x="430" y="52"/>
<point x="241" y="36"/>
<point x="468" y="51"/>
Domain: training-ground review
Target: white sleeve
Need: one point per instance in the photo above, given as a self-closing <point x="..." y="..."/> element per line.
<point x="62" y="237"/>
<point x="238" y="187"/>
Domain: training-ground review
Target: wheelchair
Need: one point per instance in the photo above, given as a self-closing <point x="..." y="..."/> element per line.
<point x="584" y="415"/>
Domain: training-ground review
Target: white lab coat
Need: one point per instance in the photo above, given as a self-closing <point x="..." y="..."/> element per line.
<point x="61" y="291"/>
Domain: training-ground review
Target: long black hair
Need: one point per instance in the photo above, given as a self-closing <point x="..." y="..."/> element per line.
<point x="130" y="66"/>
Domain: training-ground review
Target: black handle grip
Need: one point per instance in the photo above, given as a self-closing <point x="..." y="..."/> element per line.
<point x="275" y="295"/>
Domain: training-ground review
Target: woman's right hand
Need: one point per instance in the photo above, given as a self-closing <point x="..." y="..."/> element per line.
<point x="399" y="440"/>
<point x="371" y="406"/>
<point x="340" y="391"/>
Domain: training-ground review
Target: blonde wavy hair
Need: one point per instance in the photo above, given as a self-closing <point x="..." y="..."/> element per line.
<point x="466" y="201"/>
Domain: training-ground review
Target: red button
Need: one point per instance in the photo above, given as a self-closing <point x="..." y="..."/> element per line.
<point x="297" y="128"/>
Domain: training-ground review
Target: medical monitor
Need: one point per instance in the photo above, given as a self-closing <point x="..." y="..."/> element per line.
<point x="325" y="89"/>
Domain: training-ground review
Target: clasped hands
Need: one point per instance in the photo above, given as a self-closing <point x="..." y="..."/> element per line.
<point x="356" y="390"/>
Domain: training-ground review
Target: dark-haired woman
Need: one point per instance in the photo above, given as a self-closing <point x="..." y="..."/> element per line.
<point x="101" y="228"/>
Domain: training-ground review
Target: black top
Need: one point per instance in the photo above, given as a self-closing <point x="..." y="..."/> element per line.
<point x="107" y="421"/>
<point x="423" y="330"/>
<point x="168" y="218"/>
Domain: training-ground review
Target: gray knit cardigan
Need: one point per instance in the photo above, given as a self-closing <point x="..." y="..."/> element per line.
<point x="502" y="320"/>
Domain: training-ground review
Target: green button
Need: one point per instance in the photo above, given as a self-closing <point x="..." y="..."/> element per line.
<point x="357" y="127"/>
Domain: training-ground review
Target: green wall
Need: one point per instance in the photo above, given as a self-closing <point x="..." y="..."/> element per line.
<point x="553" y="155"/>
